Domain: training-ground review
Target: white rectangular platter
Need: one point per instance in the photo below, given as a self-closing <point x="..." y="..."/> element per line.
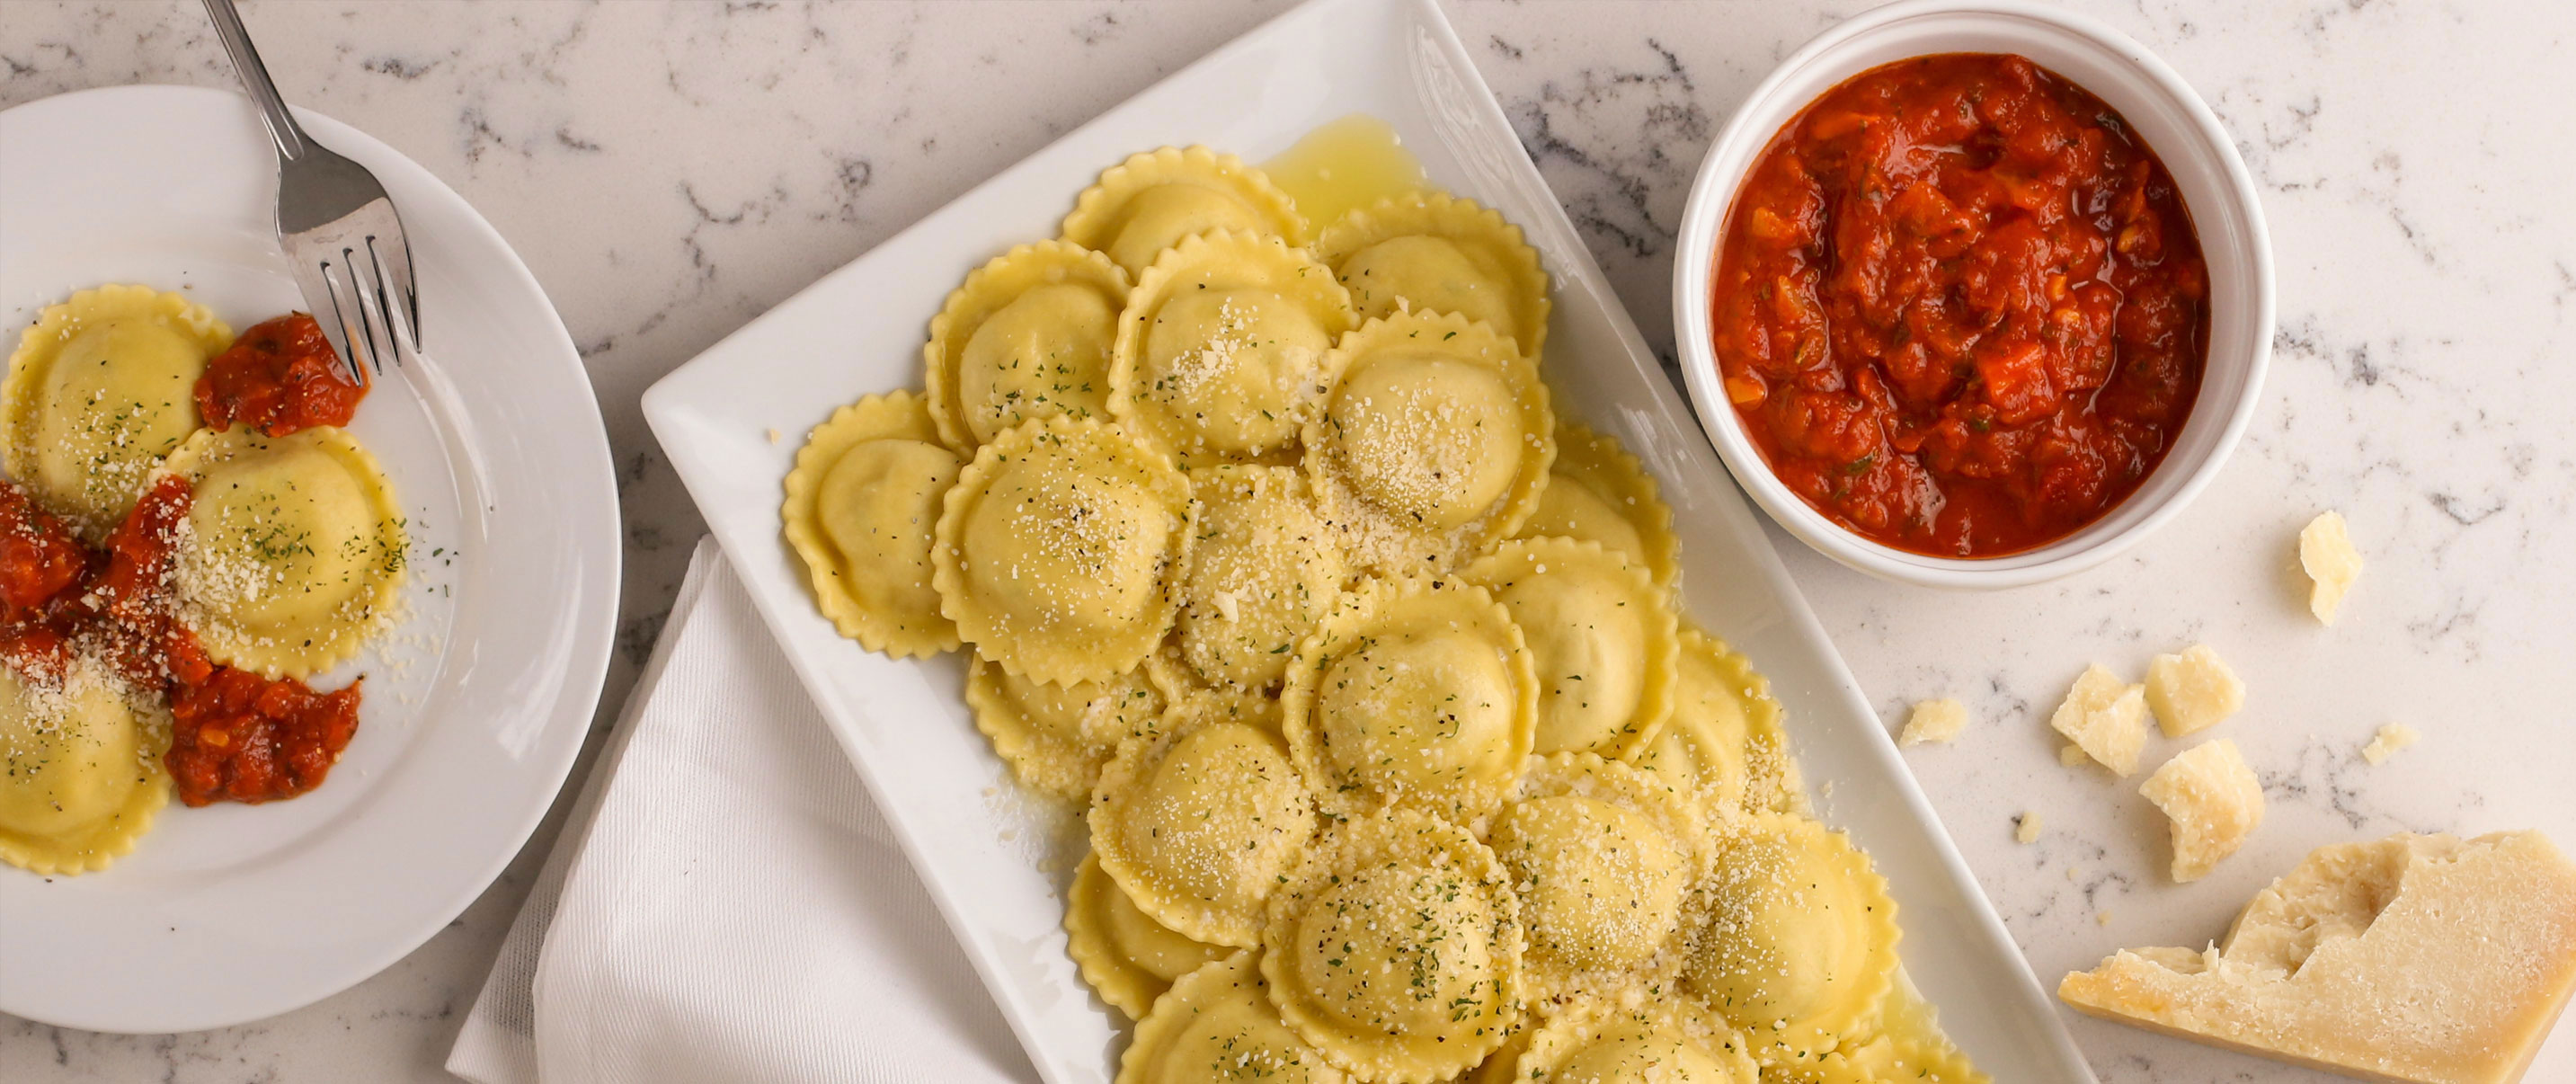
<point x="982" y="851"/>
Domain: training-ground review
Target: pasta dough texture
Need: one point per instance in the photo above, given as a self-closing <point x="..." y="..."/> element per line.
<point x="1221" y="346"/>
<point x="1156" y="200"/>
<point x="1433" y="252"/>
<point x="1602" y="641"/>
<point x="861" y="507"/>
<point x="1597" y="492"/>
<point x="1200" y="822"/>
<point x="1218" y="1026"/>
<point x="1057" y="550"/>
<point x="1396" y="949"/>
<point x="80" y="771"/>
<point x="1056" y="737"/>
<point x="1123" y="953"/>
<point x="1432" y="442"/>
<point x="99" y="389"/>
<point x="293" y="550"/>
<point x="1264" y="572"/>
<point x="1602" y="857"/>
<point x="1026" y="336"/>
<point x="1798" y="941"/>
<point x="1603" y="1042"/>
<point x="1723" y="742"/>
<point x="1416" y="693"/>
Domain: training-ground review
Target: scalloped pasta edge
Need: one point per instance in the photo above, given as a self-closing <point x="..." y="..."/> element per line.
<point x="1432" y="213"/>
<point x="875" y="417"/>
<point x="1573" y="1030"/>
<point x="1597" y="461"/>
<point x="1681" y="818"/>
<point x="1040" y="762"/>
<point x="1145" y="169"/>
<point x="1115" y="976"/>
<point x="1136" y="757"/>
<point x="956" y="322"/>
<point x="141" y="811"/>
<point x="1154" y="287"/>
<point x="41" y="342"/>
<point x="1661" y="666"/>
<point x="1856" y="1015"/>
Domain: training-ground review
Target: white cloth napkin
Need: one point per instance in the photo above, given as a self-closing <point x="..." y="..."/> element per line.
<point x="725" y="903"/>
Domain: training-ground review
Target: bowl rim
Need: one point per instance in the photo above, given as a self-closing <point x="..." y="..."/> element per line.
<point x="1721" y="174"/>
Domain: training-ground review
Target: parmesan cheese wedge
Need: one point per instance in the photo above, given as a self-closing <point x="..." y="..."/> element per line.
<point x="2213" y="800"/>
<point x="2410" y="960"/>
<point x="2193" y="691"/>
<point x="2325" y="551"/>
<point x="2105" y="718"/>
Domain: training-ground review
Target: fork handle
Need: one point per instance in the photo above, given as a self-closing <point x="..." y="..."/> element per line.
<point x="281" y="124"/>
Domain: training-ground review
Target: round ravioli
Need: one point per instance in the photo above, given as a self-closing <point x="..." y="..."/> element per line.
<point x="1264" y="572"/>
<point x="1723" y="742"/>
<point x="1123" y="953"/>
<point x="1058" y="547"/>
<point x="1431" y="442"/>
<point x="99" y="389"/>
<point x="293" y="549"/>
<point x="1026" y="336"/>
<point x="1794" y="938"/>
<point x="1199" y="822"/>
<point x="1416" y="693"/>
<point x="1602" y="639"/>
<point x="1221" y="346"/>
<point x="1155" y="200"/>
<point x="1396" y="949"/>
<point x="861" y="507"/>
<point x="80" y="771"/>
<point x="1605" y="1042"/>
<point x="1433" y="252"/>
<point x="1602" y="858"/>
<point x="1056" y="737"/>
<point x="1218" y="1025"/>
<point x="1597" y="492"/>
<point x="1909" y="1047"/>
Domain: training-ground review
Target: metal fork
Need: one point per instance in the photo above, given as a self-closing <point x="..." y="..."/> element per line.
<point x="337" y="225"/>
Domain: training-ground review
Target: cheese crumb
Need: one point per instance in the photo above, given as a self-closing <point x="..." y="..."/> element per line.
<point x="2391" y="738"/>
<point x="2193" y="691"/>
<point x="2026" y="829"/>
<point x="2071" y="755"/>
<point x="773" y="434"/>
<point x="1935" y="721"/>
<point x="2213" y="800"/>
<point x="2101" y="918"/>
<point x="2325" y="551"/>
<point x="2106" y="719"/>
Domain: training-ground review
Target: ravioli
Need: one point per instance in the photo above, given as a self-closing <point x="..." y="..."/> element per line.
<point x="1602" y="857"/>
<point x="1220" y="349"/>
<point x="1433" y="252"/>
<point x="1058" y="547"/>
<point x="1056" y="737"/>
<point x="1156" y="200"/>
<point x="1124" y="954"/>
<point x="80" y="771"/>
<point x="1605" y="1042"/>
<point x="1597" y="492"/>
<point x="1218" y="1025"/>
<point x="1431" y="443"/>
<point x="1723" y="742"/>
<point x="1910" y="1046"/>
<point x="1199" y="822"/>
<point x="1026" y="336"/>
<point x="1416" y="693"/>
<point x="1797" y="938"/>
<point x="99" y="389"/>
<point x="1395" y="949"/>
<point x="293" y="550"/>
<point x="1602" y="640"/>
<point x="1178" y="680"/>
<point x="861" y="507"/>
<point x="1263" y="574"/>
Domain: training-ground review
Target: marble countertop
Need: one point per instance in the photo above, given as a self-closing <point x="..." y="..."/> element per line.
<point x="672" y="169"/>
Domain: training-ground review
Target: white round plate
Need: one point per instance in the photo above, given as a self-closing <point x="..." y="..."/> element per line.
<point x="475" y="705"/>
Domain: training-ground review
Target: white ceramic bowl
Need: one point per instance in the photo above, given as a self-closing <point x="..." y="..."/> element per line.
<point x="2159" y="106"/>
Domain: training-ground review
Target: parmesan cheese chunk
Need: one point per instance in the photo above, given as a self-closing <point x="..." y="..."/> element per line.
<point x="2391" y="738"/>
<point x="2071" y="754"/>
<point x="2213" y="800"/>
<point x="2026" y="828"/>
<point x="2193" y="691"/>
<point x="1934" y="721"/>
<point x="2410" y="960"/>
<point x="2105" y="718"/>
<point x="2325" y="551"/>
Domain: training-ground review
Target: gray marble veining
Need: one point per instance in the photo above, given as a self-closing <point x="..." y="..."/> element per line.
<point x="671" y="169"/>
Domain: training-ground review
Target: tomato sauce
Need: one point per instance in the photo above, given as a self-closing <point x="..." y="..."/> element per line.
<point x="1960" y="306"/>
<point x="279" y="377"/>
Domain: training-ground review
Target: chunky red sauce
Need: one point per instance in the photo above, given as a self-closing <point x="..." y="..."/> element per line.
<point x="1960" y="308"/>
<point x="279" y="377"/>
<point x="235" y="735"/>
